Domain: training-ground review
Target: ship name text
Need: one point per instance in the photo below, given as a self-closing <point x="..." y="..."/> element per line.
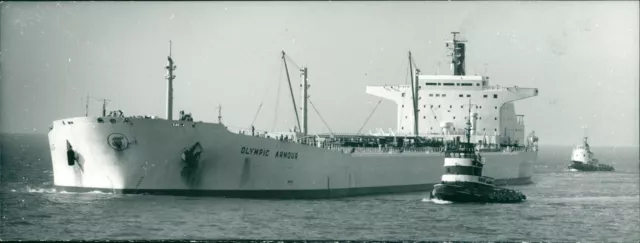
<point x="265" y="152"/>
<point x="287" y="155"/>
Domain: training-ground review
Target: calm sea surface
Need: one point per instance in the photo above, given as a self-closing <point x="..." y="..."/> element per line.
<point x="561" y="206"/>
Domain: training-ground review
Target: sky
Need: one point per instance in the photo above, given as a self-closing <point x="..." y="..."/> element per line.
<point x="582" y="56"/>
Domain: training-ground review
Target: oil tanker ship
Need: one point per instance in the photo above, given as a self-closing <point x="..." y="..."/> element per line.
<point x="152" y="155"/>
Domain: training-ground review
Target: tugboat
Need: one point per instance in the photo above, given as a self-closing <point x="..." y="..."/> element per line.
<point x="463" y="180"/>
<point x="582" y="159"/>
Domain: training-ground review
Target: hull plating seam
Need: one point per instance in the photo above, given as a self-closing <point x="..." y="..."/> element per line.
<point x="285" y="194"/>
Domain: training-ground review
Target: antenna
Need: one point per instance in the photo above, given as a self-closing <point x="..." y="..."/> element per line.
<point x="585" y="130"/>
<point x="104" y="106"/>
<point x="86" y="106"/>
<point x="220" y="113"/>
<point x="468" y="129"/>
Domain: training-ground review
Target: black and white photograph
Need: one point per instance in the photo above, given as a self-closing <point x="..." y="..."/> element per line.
<point x="474" y="121"/>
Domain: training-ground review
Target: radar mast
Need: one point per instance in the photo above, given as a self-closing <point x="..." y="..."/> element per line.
<point x="458" y="55"/>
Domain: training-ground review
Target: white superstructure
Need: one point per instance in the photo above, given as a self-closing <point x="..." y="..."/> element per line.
<point x="442" y="103"/>
<point x="444" y="100"/>
<point x="582" y="152"/>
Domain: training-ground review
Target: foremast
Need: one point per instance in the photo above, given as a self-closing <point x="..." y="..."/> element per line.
<point x="170" y="77"/>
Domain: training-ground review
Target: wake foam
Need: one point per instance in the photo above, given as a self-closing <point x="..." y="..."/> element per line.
<point x="28" y="189"/>
<point x="436" y="201"/>
<point x="39" y="190"/>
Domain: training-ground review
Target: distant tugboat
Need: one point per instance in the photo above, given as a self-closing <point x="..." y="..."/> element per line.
<point x="463" y="180"/>
<point x="582" y="158"/>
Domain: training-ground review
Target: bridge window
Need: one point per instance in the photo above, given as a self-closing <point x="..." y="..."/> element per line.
<point x="424" y="117"/>
<point x="495" y="96"/>
<point x="461" y="95"/>
<point x="496" y="107"/>
<point x="468" y="95"/>
<point x="444" y="95"/>
<point x="466" y="84"/>
<point x="437" y="95"/>
<point x="448" y="84"/>
<point x="484" y="96"/>
<point x="462" y="106"/>
<point x="477" y="84"/>
<point x="438" y="106"/>
<point x="454" y="117"/>
<point x="430" y="83"/>
<point x="496" y="118"/>
<point x="450" y="106"/>
<point x="430" y="95"/>
<point x="431" y="106"/>
<point x="403" y="94"/>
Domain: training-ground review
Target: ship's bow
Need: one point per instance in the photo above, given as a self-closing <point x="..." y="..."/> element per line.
<point x="87" y="154"/>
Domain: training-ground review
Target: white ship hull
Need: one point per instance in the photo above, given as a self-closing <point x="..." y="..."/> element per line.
<point x="150" y="161"/>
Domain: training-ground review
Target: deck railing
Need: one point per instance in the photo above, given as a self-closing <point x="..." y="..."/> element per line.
<point x="288" y="137"/>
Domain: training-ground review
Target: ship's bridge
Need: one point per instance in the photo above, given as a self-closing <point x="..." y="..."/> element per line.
<point x="447" y="83"/>
<point x="444" y="99"/>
